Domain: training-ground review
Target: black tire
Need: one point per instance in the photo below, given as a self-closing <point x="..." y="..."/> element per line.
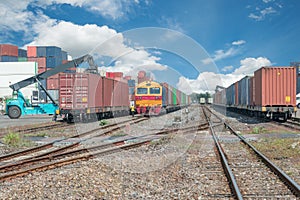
<point x="14" y="112"/>
<point x="298" y="105"/>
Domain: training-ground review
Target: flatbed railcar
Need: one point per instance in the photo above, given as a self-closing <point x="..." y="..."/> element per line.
<point x="153" y="98"/>
<point x="270" y="93"/>
<point x="86" y="96"/>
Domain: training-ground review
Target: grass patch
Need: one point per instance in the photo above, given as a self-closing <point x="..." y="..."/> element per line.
<point x="103" y="123"/>
<point x="16" y="140"/>
<point x="258" y="130"/>
<point x="279" y="148"/>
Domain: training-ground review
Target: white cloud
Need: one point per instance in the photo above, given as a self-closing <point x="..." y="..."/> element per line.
<point x="114" y="9"/>
<point x="221" y="54"/>
<point x="238" y="42"/>
<point x="249" y="65"/>
<point x="98" y="41"/>
<point x="16" y="17"/>
<point x="267" y="1"/>
<point x="227" y="68"/>
<point x="262" y="14"/>
<point x="207" y="81"/>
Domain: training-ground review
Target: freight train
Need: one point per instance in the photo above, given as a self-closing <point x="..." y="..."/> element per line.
<point x="270" y="93"/>
<point x="153" y="98"/>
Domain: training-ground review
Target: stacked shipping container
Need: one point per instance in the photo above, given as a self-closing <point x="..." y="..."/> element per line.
<point x="8" y="53"/>
<point x="47" y="57"/>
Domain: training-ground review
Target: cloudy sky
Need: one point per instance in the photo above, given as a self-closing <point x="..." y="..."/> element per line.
<point x="193" y="45"/>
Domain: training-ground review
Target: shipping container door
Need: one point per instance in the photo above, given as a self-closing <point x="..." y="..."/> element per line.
<point x="66" y="85"/>
<point x="95" y="91"/>
<point x="108" y="85"/>
<point x="81" y="91"/>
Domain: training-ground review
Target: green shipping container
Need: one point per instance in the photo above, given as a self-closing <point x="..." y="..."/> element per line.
<point x="183" y="98"/>
<point x="174" y="96"/>
<point x="22" y="59"/>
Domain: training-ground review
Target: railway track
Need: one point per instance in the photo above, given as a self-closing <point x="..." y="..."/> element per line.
<point x="293" y="123"/>
<point x="40" y="150"/>
<point x="249" y="173"/>
<point x="58" y="159"/>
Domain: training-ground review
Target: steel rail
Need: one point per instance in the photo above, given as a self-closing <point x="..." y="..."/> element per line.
<point x="87" y="154"/>
<point x="228" y="171"/>
<point x="294" y="187"/>
<point x="49" y="145"/>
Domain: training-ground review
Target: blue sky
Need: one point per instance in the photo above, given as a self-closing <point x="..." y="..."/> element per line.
<point x="193" y="45"/>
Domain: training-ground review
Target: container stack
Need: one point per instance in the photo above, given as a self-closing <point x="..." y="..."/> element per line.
<point x="22" y="55"/>
<point x="8" y="53"/>
<point x="47" y="57"/>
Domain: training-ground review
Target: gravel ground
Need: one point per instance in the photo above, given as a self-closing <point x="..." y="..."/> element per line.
<point x="183" y="166"/>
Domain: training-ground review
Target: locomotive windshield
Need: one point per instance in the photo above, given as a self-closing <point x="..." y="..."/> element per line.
<point x="142" y="91"/>
<point x="155" y="90"/>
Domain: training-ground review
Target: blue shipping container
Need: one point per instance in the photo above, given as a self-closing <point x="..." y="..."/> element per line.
<point x="243" y="91"/>
<point x="22" y="53"/>
<point x="41" y="51"/>
<point x="230" y="95"/>
<point x="131" y="83"/>
<point x="131" y="90"/>
<point x="8" y="59"/>
<point x="53" y="51"/>
<point x="52" y="62"/>
<point x="64" y="55"/>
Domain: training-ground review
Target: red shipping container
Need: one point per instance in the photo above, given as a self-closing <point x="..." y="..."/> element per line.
<point x="118" y="74"/>
<point x="41" y="61"/>
<point x="8" y="50"/>
<point x="178" y="96"/>
<point x="80" y="90"/>
<point x="31" y="51"/>
<point x="275" y="86"/>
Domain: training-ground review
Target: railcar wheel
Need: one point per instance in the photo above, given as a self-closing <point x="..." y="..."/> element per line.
<point x="14" y="112"/>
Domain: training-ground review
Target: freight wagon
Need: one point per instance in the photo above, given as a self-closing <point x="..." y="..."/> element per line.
<point x="202" y="100"/>
<point x="270" y="93"/>
<point x="84" y="97"/>
<point x="152" y="98"/>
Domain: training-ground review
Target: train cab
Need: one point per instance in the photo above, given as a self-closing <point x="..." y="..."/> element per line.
<point x="148" y="97"/>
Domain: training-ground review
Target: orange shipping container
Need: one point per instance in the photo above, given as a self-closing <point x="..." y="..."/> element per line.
<point x="31" y="51"/>
<point x="275" y="86"/>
